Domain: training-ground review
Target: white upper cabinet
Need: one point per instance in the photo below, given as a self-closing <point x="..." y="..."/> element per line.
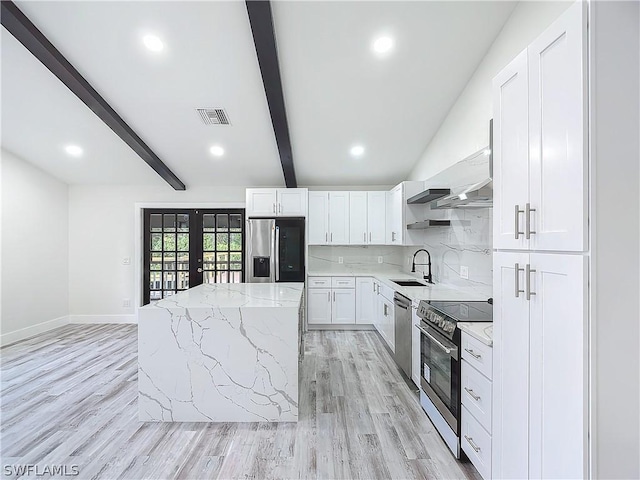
<point x="399" y="214"/>
<point x="557" y="146"/>
<point x="510" y="154"/>
<point x="358" y="231"/>
<point x="540" y="202"/>
<point x="367" y="218"/>
<point x="376" y="217"/>
<point x="276" y="202"/>
<point x="318" y="218"/>
<point x="394" y="216"/>
<point x="339" y="218"/>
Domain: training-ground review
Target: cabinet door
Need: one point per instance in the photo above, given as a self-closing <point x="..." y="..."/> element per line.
<point x="558" y="374"/>
<point x="339" y="218"/>
<point x="319" y="305"/>
<point x="376" y="217"/>
<point x="358" y="232"/>
<point x="261" y="202"/>
<point x="394" y="216"/>
<point x="318" y="219"/>
<point x="415" y="346"/>
<point x="292" y="202"/>
<point x="510" y="416"/>
<point x="510" y="154"/>
<point x="344" y="305"/>
<point x="557" y="133"/>
<point x="365" y="297"/>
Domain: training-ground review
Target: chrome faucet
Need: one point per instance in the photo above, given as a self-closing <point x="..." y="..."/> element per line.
<point x="428" y="276"/>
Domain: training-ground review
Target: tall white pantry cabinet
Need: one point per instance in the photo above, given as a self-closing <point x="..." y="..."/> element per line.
<point x="540" y="268"/>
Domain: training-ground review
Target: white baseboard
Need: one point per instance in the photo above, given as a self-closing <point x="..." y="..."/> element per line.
<point x="103" y="318"/>
<point x="17" y="335"/>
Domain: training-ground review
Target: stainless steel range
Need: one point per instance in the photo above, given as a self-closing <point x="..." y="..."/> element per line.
<point x="440" y="362"/>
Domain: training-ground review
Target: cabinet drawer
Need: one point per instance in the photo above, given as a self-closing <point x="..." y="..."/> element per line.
<point x="476" y="394"/>
<point x="476" y="443"/>
<point x="479" y="355"/>
<point x="343" y="282"/>
<point x="319" y="282"/>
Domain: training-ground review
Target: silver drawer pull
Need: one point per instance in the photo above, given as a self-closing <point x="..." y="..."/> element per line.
<point x="472" y="353"/>
<point x="473" y="445"/>
<point x="517" y="222"/>
<point x="473" y="395"/>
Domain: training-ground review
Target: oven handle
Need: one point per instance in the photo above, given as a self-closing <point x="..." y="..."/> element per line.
<point x="453" y="351"/>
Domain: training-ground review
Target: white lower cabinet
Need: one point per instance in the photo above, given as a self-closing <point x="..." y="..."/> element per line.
<point x="343" y="307"/>
<point x="365" y="300"/>
<point x="318" y="306"/>
<point x="476" y="399"/>
<point x="331" y="300"/>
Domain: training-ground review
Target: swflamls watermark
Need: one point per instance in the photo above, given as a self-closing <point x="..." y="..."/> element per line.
<point x="19" y="470"/>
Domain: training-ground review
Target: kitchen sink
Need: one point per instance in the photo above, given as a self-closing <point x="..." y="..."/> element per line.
<point x="409" y="283"/>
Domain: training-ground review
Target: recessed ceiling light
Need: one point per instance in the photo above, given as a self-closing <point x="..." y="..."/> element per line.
<point x="217" y="151"/>
<point x="153" y="43"/>
<point x="382" y="45"/>
<point x="73" y="150"/>
<point x="357" y="150"/>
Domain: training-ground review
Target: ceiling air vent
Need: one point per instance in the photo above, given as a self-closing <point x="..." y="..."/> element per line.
<point x="213" y="116"/>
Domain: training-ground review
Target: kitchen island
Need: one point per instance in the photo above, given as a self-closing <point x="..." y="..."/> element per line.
<point x="221" y="353"/>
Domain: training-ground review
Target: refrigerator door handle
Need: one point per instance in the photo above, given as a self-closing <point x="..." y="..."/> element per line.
<point x="277" y="254"/>
<point x="249" y="272"/>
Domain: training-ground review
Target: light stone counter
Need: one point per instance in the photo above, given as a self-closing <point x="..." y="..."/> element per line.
<point x="221" y="353"/>
<point x="482" y="331"/>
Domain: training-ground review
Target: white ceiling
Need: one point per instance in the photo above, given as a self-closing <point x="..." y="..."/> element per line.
<point x="337" y="93"/>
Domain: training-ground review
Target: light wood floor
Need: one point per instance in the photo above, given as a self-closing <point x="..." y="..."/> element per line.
<point x="69" y="398"/>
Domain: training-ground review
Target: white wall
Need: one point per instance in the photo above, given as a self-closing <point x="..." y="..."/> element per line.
<point x="35" y="250"/>
<point x="103" y="231"/>
<point x="615" y="235"/>
<point x="465" y="130"/>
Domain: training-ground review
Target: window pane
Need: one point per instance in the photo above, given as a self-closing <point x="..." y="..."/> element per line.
<point x="222" y="256"/>
<point x="223" y="223"/>
<point x="183" y="261"/>
<point x="169" y="222"/>
<point x="155" y="281"/>
<point x="208" y="242"/>
<point x="156" y="222"/>
<point x="236" y="266"/>
<point x="208" y="222"/>
<point x="235" y="223"/>
<point x="169" y="241"/>
<point x="236" y="257"/>
<point x="169" y="261"/>
<point x="156" y="241"/>
<point x="183" y="242"/>
<point x="209" y="277"/>
<point x="222" y="277"/>
<point x="236" y="241"/>
<point x="222" y="241"/>
<point x="236" y="277"/>
<point x="168" y="294"/>
<point x="169" y="280"/>
<point x="156" y="257"/>
<point x="183" y="222"/>
<point x="223" y="266"/>
<point x="155" y="295"/>
<point x="183" y="280"/>
<point x="155" y="266"/>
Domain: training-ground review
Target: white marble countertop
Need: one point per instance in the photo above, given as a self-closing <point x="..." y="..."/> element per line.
<point x="436" y="291"/>
<point x="234" y="295"/>
<point x="479" y="330"/>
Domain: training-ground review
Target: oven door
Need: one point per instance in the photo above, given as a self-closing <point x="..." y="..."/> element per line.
<point x="439" y="358"/>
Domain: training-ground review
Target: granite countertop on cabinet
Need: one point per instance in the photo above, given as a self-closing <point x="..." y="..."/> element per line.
<point x="436" y="291"/>
<point x="482" y="331"/>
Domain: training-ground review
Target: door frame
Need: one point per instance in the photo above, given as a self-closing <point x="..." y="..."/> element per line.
<point x="138" y="258"/>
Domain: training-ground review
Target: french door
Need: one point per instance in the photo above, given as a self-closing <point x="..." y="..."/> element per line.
<point x="187" y="247"/>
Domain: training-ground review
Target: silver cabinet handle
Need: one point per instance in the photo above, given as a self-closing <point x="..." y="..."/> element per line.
<point x="473" y="445"/>
<point x="369" y="237"/>
<point x="334" y="296"/>
<point x="329" y="299"/>
<point x="364" y="236"/>
<point x="517" y="222"/>
<point x="472" y="393"/>
<point x="331" y="236"/>
<point x="472" y="353"/>
<point x="326" y="237"/>
<point x="527" y="279"/>
<point x="517" y="282"/>
<point x="274" y="208"/>
<point x="527" y="219"/>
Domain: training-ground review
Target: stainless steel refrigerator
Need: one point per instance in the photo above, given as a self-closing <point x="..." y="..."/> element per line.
<point x="275" y="250"/>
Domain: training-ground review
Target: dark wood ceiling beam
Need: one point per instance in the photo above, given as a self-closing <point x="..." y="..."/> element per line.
<point x="261" y="21"/>
<point x="34" y="40"/>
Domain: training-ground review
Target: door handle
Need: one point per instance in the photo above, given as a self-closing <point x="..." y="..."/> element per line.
<point x="473" y="445"/>
<point x="527" y="219"/>
<point x="527" y="279"/>
<point x="199" y="270"/>
<point x="277" y="252"/>
<point x="472" y="393"/>
<point x="517" y="222"/>
<point x="517" y="282"/>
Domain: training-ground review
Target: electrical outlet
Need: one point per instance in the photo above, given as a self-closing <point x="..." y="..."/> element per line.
<point x="340" y="260"/>
<point x="126" y="302"/>
<point x="126" y="261"/>
<point x="379" y="259"/>
<point x="464" y="272"/>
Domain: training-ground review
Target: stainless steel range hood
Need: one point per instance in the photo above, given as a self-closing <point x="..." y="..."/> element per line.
<point x="478" y="195"/>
